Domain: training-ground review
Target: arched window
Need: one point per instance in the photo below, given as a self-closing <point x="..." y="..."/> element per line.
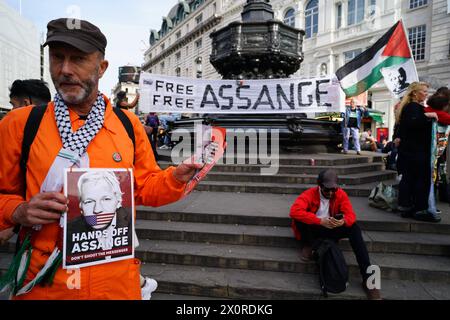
<point x="289" y="17"/>
<point x="154" y="37"/>
<point x="178" y="72"/>
<point x="312" y="18"/>
<point x="182" y="11"/>
<point x="196" y="4"/>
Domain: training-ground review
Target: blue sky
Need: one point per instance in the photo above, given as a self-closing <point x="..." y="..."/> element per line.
<point x="126" y="25"/>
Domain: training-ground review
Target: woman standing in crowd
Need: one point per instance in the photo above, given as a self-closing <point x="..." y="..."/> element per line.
<point x="414" y="154"/>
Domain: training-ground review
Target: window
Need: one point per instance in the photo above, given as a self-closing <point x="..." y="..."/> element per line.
<point x="163" y="46"/>
<point x="417" y="41"/>
<point x="350" y="55"/>
<point x="178" y="72"/>
<point x="312" y="18"/>
<point x="187" y="50"/>
<point x="162" y="67"/>
<point x="178" y="56"/>
<point x="372" y="7"/>
<point x="198" y="62"/>
<point x="289" y="17"/>
<point x="355" y="11"/>
<point x="198" y="44"/>
<point x="178" y="35"/>
<point x="338" y="15"/>
<point x="417" y="3"/>
<point x="199" y="19"/>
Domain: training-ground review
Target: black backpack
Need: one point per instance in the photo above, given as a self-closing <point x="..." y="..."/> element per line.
<point x="333" y="270"/>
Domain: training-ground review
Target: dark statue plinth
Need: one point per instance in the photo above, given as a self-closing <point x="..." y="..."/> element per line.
<point x="259" y="47"/>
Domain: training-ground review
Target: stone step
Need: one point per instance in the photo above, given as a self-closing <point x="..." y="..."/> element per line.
<point x="376" y="241"/>
<point x="351" y="179"/>
<point x="295" y="169"/>
<point x="273" y="210"/>
<point x="362" y="190"/>
<point x="321" y="159"/>
<point x="394" y="225"/>
<point x="211" y="283"/>
<point x="393" y="266"/>
<point x="252" y="284"/>
<point x="178" y="297"/>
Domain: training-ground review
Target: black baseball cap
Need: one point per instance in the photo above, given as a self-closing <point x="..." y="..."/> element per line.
<point x="328" y="178"/>
<point x="80" y="34"/>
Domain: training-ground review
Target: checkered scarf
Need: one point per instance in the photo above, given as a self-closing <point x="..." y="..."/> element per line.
<point x="78" y="141"/>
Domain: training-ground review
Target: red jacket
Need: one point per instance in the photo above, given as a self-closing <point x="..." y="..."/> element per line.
<point x="443" y="116"/>
<point x="307" y="204"/>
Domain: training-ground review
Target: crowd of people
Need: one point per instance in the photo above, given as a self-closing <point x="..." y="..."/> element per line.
<point x="79" y="130"/>
<point x="417" y="151"/>
<point x="417" y="118"/>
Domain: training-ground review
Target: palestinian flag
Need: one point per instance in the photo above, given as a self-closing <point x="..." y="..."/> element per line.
<point x="364" y="71"/>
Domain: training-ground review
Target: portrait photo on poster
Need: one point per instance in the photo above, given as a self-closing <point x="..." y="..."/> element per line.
<point x="98" y="226"/>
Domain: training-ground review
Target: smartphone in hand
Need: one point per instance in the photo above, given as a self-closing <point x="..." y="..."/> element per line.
<point x="339" y="216"/>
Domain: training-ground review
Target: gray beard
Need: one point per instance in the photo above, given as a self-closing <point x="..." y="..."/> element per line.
<point x="86" y="91"/>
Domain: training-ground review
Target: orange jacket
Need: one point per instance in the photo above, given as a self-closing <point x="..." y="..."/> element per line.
<point x="153" y="187"/>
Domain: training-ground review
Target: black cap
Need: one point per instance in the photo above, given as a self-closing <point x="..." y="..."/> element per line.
<point x="328" y="178"/>
<point x="80" y="34"/>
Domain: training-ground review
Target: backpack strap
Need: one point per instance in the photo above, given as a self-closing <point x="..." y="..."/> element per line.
<point x="29" y="133"/>
<point x="126" y="122"/>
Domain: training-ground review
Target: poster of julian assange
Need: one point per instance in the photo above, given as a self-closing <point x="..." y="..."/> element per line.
<point x="98" y="227"/>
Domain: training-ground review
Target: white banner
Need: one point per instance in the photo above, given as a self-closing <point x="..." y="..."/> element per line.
<point x="398" y="78"/>
<point x="271" y="96"/>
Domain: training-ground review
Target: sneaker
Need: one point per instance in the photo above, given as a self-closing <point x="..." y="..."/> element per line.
<point x="372" y="294"/>
<point x="426" y="216"/>
<point x="358" y="153"/>
<point x="306" y="253"/>
<point x="149" y="286"/>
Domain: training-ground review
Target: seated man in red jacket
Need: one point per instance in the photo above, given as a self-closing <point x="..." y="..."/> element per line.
<point x="326" y="212"/>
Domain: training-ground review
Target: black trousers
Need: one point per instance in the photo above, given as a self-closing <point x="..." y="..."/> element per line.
<point x="414" y="187"/>
<point x="311" y="232"/>
<point x="154" y="145"/>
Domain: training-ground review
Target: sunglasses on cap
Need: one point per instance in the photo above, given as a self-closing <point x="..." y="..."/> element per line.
<point x="325" y="189"/>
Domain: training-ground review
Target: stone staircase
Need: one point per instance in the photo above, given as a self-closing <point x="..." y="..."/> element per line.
<point x="358" y="174"/>
<point x="232" y="238"/>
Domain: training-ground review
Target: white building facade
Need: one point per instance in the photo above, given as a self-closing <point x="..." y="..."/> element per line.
<point x="20" y="52"/>
<point x="336" y="32"/>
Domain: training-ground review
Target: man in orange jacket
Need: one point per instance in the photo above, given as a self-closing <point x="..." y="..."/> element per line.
<point x="78" y="129"/>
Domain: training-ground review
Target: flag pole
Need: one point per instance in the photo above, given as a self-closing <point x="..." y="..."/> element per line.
<point x="409" y="47"/>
